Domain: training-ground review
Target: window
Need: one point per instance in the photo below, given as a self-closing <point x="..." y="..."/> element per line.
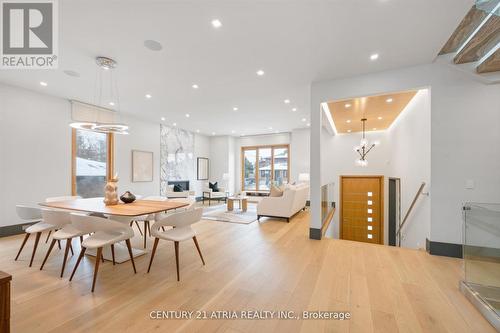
<point x="92" y="162"/>
<point x="263" y="166"/>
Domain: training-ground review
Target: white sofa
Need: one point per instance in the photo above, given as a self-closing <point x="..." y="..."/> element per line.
<point x="172" y="194"/>
<point x="293" y="200"/>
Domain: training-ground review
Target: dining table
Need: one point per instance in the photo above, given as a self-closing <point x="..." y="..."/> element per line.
<point x="96" y="206"/>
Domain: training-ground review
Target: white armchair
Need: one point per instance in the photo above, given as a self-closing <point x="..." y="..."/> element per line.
<point x="209" y="194"/>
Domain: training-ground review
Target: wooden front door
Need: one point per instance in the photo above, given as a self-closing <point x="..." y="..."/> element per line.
<point x="361" y="208"/>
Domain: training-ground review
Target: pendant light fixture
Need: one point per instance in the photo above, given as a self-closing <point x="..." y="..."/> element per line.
<point x="94" y="117"/>
<point x="364" y="147"/>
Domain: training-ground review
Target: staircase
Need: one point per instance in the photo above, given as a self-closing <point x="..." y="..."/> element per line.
<point x="474" y="46"/>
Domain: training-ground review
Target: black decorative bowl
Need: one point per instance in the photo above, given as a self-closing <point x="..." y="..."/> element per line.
<point x="127" y="197"/>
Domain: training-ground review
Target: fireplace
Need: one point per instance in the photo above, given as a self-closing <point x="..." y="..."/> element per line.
<point x="183" y="183"/>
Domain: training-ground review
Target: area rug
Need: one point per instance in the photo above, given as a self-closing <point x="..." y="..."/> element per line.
<point x="221" y="214"/>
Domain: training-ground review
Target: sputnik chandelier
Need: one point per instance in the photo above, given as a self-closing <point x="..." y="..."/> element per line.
<point x="364" y="147"/>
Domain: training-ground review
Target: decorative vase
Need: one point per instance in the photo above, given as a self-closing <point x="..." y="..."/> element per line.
<point x="127" y="197"/>
<point x="110" y="195"/>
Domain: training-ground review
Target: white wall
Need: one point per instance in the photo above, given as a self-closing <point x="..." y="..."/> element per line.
<point x="35" y="150"/>
<point x="299" y="152"/>
<point x="201" y="149"/>
<point x="465" y="130"/>
<point x="410" y="147"/>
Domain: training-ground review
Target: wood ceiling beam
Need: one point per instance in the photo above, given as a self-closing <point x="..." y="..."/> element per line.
<point x="481" y="43"/>
<point x="466" y="27"/>
<point x="491" y="64"/>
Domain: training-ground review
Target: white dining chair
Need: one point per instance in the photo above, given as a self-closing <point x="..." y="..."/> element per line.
<point x="181" y="231"/>
<point x="32" y="214"/>
<point x="66" y="231"/>
<point x="146" y="219"/>
<point x="62" y="198"/>
<point x="105" y="233"/>
<point x="127" y="220"/>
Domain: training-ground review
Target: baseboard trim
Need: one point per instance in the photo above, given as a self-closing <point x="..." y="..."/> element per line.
<point x="16" y="229"/>
<point x="444" y="249"/>
<point x="315" y="233"/>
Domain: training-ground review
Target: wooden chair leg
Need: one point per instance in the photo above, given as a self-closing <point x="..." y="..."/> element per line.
<point x="22" y="245"/>
<point x="81" y="240"/>
<point x="145" y="232"/>
<point x="96" y="267"/>
<point x="113" y="253"/>
<point x="138" y="227"/>
<point x="153" y="253"/>
<point x="198" y="248"/>
<point x="48" y="252"/>
<point x="102" y="257"/>
<point x="131" y="254"/>
<point x="149" y="229"/>
<point x="66" y="250"/>
<point x="82" y="252"/>
<point x="37" y="239"/>
<point x="71" y="248"/>
<point x="48" y="236"/>
<point x="176" y="246"/>
<point x="59" y="244"/>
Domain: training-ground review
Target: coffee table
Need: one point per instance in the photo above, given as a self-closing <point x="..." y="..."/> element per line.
<point x="242" y="203"/>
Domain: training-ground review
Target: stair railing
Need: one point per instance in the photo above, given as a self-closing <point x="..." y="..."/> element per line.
<point x="401" y="225"/>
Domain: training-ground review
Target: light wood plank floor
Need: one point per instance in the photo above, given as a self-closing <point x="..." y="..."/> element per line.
<point x="270" y="265"/>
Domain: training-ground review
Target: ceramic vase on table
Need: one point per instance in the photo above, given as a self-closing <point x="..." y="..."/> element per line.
<point x="110" y="194"/>
<point x="127" y="197"/>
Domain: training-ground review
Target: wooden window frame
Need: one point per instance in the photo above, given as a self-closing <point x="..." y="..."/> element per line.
<point x="110" y="158"/>
<point x="256" y="148"/>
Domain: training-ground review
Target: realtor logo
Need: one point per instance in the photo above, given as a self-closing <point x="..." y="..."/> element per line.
<point x="29" y="34"/>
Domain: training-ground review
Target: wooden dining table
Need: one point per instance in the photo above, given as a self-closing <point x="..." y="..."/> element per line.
<point x="134" y="209"/>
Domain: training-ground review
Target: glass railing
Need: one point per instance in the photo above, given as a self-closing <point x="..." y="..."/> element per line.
<point x="489" y="6"/>
<point x="327" y="201"/>
<point x="481" y="251"/>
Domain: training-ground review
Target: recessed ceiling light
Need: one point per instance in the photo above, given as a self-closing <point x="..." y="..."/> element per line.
<point x="374" y="56"/>
<point x="71" y="73"/>
<point x="379" y="118"/>
<point x="175" y="124"/>
<point x="233" y="131"/>
<point x="213" y="133"/>
<point x="43" y="84"/>
<point x="216" y="23"/>
<point x="260" y="72"/>
<point x="235" y="108"/>
<point x="304" y="119"/>
<point x="348" y="121"/>
<point x="308" y="125"/>
<point x="112" y="103"/>
<point x="294" y="109"/>
<point x="195" y="86"/>
<point x="148" y="96"/>
<point x="197" y="131"/>
<point x="348" y="131"/>
<point x="152" y="45"/>
<point x="162" y="118"/>
<point x="389" y="100"/>
<point x="270" y="127"/>
<point x="347" y="105"/>
<point x="286" y="101"/>
<point x="187" y="115"/>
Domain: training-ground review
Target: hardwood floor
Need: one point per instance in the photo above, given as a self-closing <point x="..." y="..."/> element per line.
<point x="270" y="265"/>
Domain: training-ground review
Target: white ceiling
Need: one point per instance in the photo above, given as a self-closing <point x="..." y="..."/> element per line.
<point x="294" y="42"/>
